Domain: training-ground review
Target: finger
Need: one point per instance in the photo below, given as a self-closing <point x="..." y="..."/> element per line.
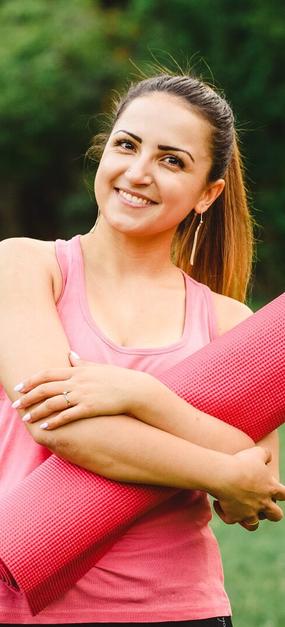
<point x="273" y="512"/>
<point x="74" y="358"/>
<point x="44" y="376"/>
<point x="224" y="517"/>
<point x="279" y="492"/>
<point x="250" y="524"/>
<point x="63" y="418"/>
<point x="40" y="393"/>
<point x="50" y="406"/>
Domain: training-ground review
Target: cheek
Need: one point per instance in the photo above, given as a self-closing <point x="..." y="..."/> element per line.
<point x="109" y="169"/>
<point x="178" y="197"/>
<point x="97" y="186"/>
<point x="101" y="179"/>
<point x="186" y="193"/>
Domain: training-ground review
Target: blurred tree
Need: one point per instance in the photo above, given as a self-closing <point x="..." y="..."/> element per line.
<point x="56" y="65"/>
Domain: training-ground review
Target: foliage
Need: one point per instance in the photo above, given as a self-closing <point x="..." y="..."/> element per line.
<point x="55" y="66"/>
<point x="59" y="63"/>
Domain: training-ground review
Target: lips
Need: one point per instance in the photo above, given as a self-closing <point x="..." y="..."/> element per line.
<point x="134" y="198"/>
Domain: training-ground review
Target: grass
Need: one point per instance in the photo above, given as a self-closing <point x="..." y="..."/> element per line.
<point x="254" y="565"/>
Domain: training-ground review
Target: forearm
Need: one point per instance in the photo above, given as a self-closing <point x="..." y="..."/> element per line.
<point x="155" y="405"/>
<point x="124" y="449"/>
<point x="159" y="407"/>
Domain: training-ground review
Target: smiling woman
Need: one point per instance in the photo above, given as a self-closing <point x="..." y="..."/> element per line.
<point x="122" y="296"/>
<point x="150" y="171"/>
<point x="203" y="122"/>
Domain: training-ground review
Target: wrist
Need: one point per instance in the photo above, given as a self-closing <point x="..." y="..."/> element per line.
<point x="239" y="483"/>
<point x="141" y="395"/>
<point x="224" y="477"/>
<point x="205" y="469"/>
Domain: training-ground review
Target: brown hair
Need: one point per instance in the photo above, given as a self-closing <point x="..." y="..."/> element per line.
<point x="223" y="257"/>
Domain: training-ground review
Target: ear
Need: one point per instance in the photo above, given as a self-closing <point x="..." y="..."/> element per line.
<point x="209" y="195"/>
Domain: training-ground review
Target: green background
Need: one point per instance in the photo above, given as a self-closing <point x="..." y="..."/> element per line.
<point x="59" y="62"/>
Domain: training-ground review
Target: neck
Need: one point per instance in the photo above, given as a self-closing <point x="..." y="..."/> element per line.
<point x="122" y="255"/>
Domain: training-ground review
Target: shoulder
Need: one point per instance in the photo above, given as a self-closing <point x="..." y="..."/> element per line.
<point x="22" y="258"/>
<point x="15" y="245"/>
<point x="229" y="312"/>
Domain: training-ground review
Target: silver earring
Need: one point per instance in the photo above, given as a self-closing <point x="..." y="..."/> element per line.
<point x="195" y="240"/>
<point x="97" y="220"/>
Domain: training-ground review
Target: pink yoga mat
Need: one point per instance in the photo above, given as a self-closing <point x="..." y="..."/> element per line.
<point x="239" y="378"/>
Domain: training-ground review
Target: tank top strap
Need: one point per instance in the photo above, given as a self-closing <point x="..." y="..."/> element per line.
<point x="212" y="316"/>
<point x="200" y="314"/>
<point x="68" y="258"/>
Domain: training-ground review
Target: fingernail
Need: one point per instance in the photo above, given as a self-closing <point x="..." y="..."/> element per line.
<point x="74" y="354"/>
<point x="44" y="425"/>
<point x="16" y="403"/>
<point x="18" y="387"/>
<point x="27" y="417"/>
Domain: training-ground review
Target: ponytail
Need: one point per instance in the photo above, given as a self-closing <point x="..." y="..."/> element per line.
<point x="223" y="258"/>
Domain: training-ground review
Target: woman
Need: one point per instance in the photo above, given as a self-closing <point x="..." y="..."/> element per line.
<point x="124" y="301"/>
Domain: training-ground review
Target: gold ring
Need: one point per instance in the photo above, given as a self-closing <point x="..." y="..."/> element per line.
<point x="65" y="396"/>
<point x="255" y="523"/>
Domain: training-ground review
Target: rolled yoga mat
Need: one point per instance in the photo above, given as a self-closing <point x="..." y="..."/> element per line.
<point x="240" y="378"/>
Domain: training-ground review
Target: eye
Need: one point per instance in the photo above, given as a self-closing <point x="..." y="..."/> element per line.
<point x="126" y="144"/>
<point x="174" y="161"/>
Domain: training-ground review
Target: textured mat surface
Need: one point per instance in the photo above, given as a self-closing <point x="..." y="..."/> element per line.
<point x="240" y="378"/>
<point x="59" y="522"/>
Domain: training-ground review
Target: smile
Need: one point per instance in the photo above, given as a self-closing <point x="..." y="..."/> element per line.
<point x="133" y="199"/>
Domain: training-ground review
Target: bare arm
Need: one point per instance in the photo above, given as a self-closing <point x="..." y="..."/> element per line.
<point x="32" y="338"/>
<point x="143" y="454"/>
<point x="31" y="335"/>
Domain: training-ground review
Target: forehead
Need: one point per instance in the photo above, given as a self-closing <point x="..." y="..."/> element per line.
<point x="166" y="119"/>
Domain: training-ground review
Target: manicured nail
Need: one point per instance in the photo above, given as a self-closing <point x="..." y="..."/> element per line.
<point x="74" y="354"/>
<point x="44" y="425"/>
<point x="16" y="403"/>
<point x="27" y="417"/>
<point x="18" y="387"/>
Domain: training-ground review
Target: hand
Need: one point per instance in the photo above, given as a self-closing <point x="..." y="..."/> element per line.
<point x="83" y="391"/>
<point x="252" y="491"/>
<point x="250" y="524"/>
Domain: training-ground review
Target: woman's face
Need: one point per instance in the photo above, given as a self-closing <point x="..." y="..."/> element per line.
<point x="154" y="168"/>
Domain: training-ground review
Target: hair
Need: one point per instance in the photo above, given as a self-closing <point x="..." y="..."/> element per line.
<point x="224" y="252"/>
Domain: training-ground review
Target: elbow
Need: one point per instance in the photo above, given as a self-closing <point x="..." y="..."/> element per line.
<point x="73" y="451"/>
<point x="94" y="458"/>
<point x="49" y="439"/>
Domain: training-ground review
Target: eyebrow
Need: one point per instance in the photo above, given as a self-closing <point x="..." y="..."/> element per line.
<point x="160" y="146"/>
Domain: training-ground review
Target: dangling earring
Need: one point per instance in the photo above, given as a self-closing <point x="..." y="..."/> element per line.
<point x="195" y="240"/>
<point x="96" y="223"/>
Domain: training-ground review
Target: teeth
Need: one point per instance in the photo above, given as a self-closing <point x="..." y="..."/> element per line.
<point x="135" y="200"/>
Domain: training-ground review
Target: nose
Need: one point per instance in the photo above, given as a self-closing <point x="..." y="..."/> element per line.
<point x="140" y="171"/>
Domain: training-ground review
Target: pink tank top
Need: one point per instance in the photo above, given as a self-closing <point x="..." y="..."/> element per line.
<point x="167" y="566"/>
